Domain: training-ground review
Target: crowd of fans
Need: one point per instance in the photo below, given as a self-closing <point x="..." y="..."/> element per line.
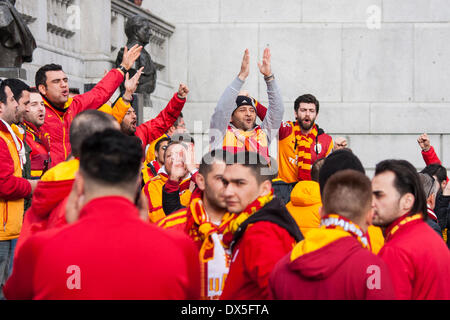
<point x="95" y="206"/>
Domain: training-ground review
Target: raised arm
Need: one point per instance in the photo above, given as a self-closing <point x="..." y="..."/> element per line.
<point x="226" y="104"/>
<point x="153" y="129"/>
<point x="274" y="116"/>
<point x="103" y="90"/>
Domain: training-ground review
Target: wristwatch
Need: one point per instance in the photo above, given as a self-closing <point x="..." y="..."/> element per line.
<point x="269" y="78"/>
<point x="122" y="68"/>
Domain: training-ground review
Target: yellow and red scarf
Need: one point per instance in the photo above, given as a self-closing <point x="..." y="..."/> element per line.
<point x="303" y="150"/>
<point x="215" y="254"/>
<point x="396" y="225"/>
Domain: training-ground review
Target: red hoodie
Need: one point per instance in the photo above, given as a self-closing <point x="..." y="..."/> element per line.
<point x="47" y="209"/>
<point x="330" y="265"/>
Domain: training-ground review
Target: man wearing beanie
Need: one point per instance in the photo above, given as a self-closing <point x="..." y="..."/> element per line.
<point x="242" y="133"/>
<point x="345" y="159"/>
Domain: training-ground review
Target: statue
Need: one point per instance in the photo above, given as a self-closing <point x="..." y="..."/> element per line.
<point x="137" y="29"/>
<point x="16" y="41"/>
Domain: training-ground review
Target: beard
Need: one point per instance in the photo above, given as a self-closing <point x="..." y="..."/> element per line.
<point x="305" y="126"/>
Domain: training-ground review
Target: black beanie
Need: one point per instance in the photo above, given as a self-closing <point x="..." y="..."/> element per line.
<point x="244" y="100"/>
<point x="337" y="161"/>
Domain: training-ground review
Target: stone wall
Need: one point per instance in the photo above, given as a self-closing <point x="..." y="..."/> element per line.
<point x="84" y="37"/>
<point x="381" y="82"/>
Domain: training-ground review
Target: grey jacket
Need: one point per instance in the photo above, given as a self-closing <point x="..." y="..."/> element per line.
<point x="227" y="104"/>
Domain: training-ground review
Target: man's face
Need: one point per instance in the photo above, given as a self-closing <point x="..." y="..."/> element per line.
<point x="306" y="115"/>
<point x="175" y="156"/>
<point x="57" y="90"/>
<point x="23" y="103"/>
<point x="10" y="109"/>
<point x="181" y="127"/>
<point x="244" y="118"/>
<point x="241" y="187"/>
<point x="129" y="122"/>
<point x="386" y="199"/>
<point x="214" y="186"/>
<point x="35" y="112"/>
<point x="159" y="156"/>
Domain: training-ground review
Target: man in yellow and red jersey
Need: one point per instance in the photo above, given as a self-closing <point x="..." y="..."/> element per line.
<point x="302" y="142"/>
<point x="52" y="83"/>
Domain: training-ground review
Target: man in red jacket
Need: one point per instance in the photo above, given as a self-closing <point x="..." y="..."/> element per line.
<point x="154" y="128"/>
<point x="52" y="83"/>
<point x="418" y="259"/>
<point x="49" y="199"/>
<point x="263" y="232"/>
<point x="334" y="261"/>
<point x="112" y="254"/>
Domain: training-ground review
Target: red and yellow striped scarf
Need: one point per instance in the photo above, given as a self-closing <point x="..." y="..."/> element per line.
<point x="303" y="150"/>
<point x="255" y="140"/>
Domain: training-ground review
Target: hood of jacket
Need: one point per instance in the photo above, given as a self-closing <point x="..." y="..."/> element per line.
<point x="48" y="195"/>
<point x="305" y="194"/>
<point x="321" y="252"/>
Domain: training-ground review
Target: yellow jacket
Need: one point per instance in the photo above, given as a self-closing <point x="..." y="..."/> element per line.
<point x="304" y="205"/>
<point x="65" y="170"/>
<point x="11" y="211"/>
<point x="118" y="111"/>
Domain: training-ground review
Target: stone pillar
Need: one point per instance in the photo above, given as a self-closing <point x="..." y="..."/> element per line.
<point x="95" y="29"/>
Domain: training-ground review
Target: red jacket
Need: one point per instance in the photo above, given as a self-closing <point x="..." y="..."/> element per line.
<point x="109" y="253"/>
<point x="254" y="256"/>
<point x="57" y="123"/>
<point x="11" y="187"/>
<point x="154" y="128"/>
<point x="418" y="260"/>
<point x="430" y="157"/>
<point x="40" y="150"/>
<point x="47" y="209"/>
<point x="339" y="270"/>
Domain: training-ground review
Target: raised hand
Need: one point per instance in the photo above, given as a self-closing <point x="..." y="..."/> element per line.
<point x="131" y="84"/>
<point x="130" y="56"/>
<point x="424" y="142"/>
<point x="183" y="91"/>
<point x="245" y="66"/>
<point x="264" y="67"/>
<point x="340" y="143"/>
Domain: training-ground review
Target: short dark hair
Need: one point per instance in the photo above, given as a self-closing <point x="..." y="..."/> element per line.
<point x="17" y="87"/>
<point x="437" y="170"/>
<point x="406" y="181"/>
<point x="160" y="141"/>
<point x="41" y="74"/>
<point x="2" y="91"/>
<point x="259" y="166"/>
<point x="177" y="122"/>
<point x="347" y="193"/>
<point x="208" y="160"/>
<point x="315" y="169"/>
<point x="86" y="124"/>
<point x="306" y="98"/>
<point x="34" y="90"/>
<point x="111" y="157"/>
